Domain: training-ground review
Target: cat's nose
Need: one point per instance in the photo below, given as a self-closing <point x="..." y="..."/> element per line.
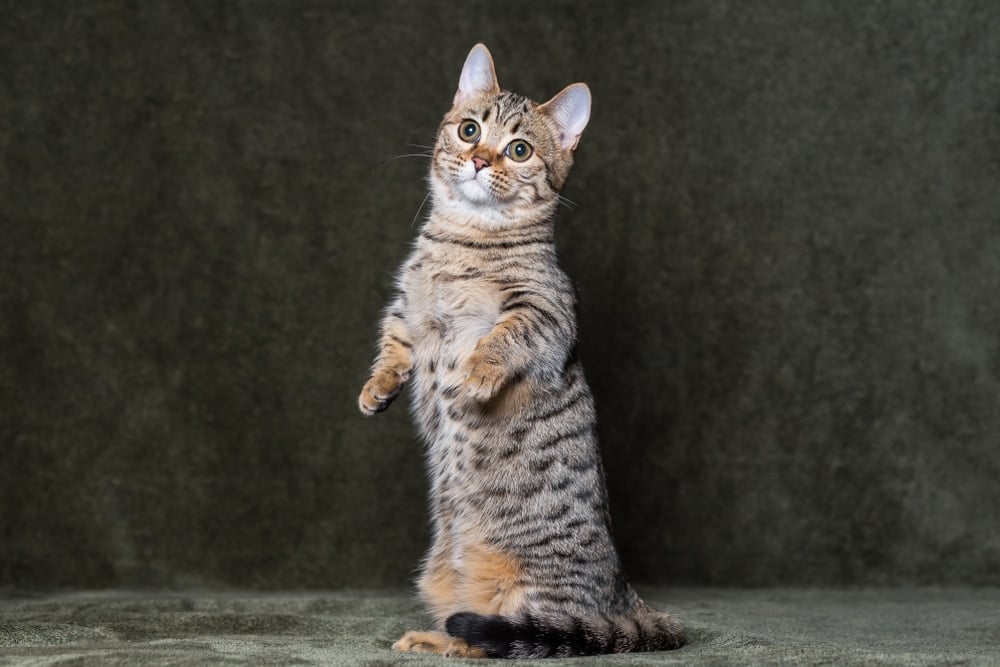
<point x="479" y="163"/>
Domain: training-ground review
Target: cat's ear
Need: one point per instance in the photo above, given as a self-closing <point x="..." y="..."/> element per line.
<point x="570" y="109"/>
<point x="478" y="75"/>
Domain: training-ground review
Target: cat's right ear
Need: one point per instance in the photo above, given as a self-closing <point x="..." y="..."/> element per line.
<point x="478" y="75"/>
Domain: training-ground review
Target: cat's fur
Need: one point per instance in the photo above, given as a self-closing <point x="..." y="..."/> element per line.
<point x="483" y="329"/>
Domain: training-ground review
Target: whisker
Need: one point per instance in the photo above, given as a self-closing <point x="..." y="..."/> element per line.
<point x="397" y="157"/>
<point x="567" y="202"/>
<point x="419" y="209"/>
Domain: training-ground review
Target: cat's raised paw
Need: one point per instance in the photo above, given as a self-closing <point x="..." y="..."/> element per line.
<point x="381" y="388"/>
<point x="485" y="378"/>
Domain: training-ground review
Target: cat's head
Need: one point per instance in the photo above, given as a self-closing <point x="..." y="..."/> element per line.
<point x="500" y="156"/>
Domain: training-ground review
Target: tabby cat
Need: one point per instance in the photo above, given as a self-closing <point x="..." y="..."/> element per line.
<point x="522" y="563"/>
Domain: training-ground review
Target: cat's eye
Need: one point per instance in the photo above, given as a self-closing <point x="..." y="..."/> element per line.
<point x="468" y="130"/>
<point x="518" y="150"/>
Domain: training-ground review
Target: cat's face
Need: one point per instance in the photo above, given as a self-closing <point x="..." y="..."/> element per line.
<point x="500" y="156"/>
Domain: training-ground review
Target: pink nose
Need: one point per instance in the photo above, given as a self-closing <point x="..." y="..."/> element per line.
<point x="479" y="163"/>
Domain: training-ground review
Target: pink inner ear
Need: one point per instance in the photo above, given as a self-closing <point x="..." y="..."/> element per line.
<point x="571" y="111"/>
<point x="478" y="75"/>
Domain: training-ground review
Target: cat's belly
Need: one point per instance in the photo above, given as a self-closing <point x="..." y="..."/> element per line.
<point x="440" y="352"/>
<point x="449" y="316"/>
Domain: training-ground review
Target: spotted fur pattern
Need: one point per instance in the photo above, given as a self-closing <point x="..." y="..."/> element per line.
<point x="483" y="331"/>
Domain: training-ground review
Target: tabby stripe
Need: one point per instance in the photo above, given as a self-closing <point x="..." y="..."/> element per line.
<point x="509" y="284"/>
<point x="581" y="559"/>
<point x="580" y="467"/>
<point x="571" y="363"/>
<point x="535" y="328"/>
<point x="513" y="295"/>
<point x="444" y="276"/>
<point x="559" y="513"/>
<point x="543" y="465"/>
<point x="509" y="452"/>
<point x="544" y="541"/>
<point x="551" y="596"/>
<point x="532" y="270"/>
<point x="567" y="436"/>
<point x="408" y="345"/>
<point x="530" y="531"/>
<point x="562" y="484"/>
<point x="480" y="245"/>
<point x="546" y="315"/>
<point x="517" y="435"/>
<point x="526" y="337"/>
<point x="559" y="409"/>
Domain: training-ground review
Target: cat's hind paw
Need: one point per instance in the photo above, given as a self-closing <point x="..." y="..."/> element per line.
<point x="437" y="642"/>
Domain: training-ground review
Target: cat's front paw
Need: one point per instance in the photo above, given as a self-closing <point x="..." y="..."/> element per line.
<point x="485" y="377"/>
<point x="381" y="388"/>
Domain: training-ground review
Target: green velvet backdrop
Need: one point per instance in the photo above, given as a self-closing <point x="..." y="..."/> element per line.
<point x="786" y="238"/>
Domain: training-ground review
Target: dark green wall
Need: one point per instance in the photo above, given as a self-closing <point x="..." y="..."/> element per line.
<point x="786" y="239"/>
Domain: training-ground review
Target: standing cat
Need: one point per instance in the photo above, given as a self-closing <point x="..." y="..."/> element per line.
<point x="483" y="327"/>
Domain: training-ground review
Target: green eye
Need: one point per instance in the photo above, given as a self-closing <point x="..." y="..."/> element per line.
<point x="518" y="150"/>
<point x="468" y="130"/>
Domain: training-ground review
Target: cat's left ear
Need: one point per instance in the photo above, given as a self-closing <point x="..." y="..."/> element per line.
<point x="570" y="109"/>
<point x="478" y="75"/>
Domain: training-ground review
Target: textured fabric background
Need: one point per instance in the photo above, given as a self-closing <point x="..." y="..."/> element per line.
<point x="786" y="237"/>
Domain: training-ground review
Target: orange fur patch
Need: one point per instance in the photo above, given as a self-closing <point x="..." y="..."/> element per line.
<point x="489" y="581"/>
<point x="511" y="398"/>
<point x="486" y="584"/>
<point x="439" y="590"/>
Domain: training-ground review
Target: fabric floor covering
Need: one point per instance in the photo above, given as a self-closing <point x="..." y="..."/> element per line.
<point x="738" y="627"/>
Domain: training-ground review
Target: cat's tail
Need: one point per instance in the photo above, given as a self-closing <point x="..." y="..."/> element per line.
<point x="544" y="635"/>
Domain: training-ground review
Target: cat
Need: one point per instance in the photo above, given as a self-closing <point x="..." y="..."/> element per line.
<point x="483" y="329"/>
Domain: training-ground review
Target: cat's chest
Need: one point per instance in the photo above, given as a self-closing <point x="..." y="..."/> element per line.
<point x="453" y="301"/>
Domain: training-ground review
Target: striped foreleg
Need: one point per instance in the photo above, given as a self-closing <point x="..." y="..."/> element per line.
<point x="392" y="365"/>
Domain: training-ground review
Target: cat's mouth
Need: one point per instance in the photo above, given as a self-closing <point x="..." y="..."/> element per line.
<point x="478" y="189"/>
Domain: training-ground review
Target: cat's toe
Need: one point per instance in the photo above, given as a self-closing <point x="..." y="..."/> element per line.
<point x="379" y="392"/>
<point x="484" y="381"/>
<point x="458" y="648"/>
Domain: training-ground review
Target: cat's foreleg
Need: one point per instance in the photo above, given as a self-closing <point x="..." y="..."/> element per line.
<point x="531" y="335"/>
<point x="392" y="365"/>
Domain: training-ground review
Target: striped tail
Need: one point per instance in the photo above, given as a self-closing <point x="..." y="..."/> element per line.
<point x="538" y="636"/>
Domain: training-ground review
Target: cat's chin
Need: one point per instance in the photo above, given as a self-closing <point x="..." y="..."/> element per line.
<point x="476" y="193"/>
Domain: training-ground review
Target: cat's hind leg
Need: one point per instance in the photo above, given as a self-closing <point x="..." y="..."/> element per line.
<point x="438" y="584"/>
<point x="437" y="642"/>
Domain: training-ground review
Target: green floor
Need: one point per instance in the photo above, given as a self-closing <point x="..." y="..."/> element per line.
<point x="336" y="628"/>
